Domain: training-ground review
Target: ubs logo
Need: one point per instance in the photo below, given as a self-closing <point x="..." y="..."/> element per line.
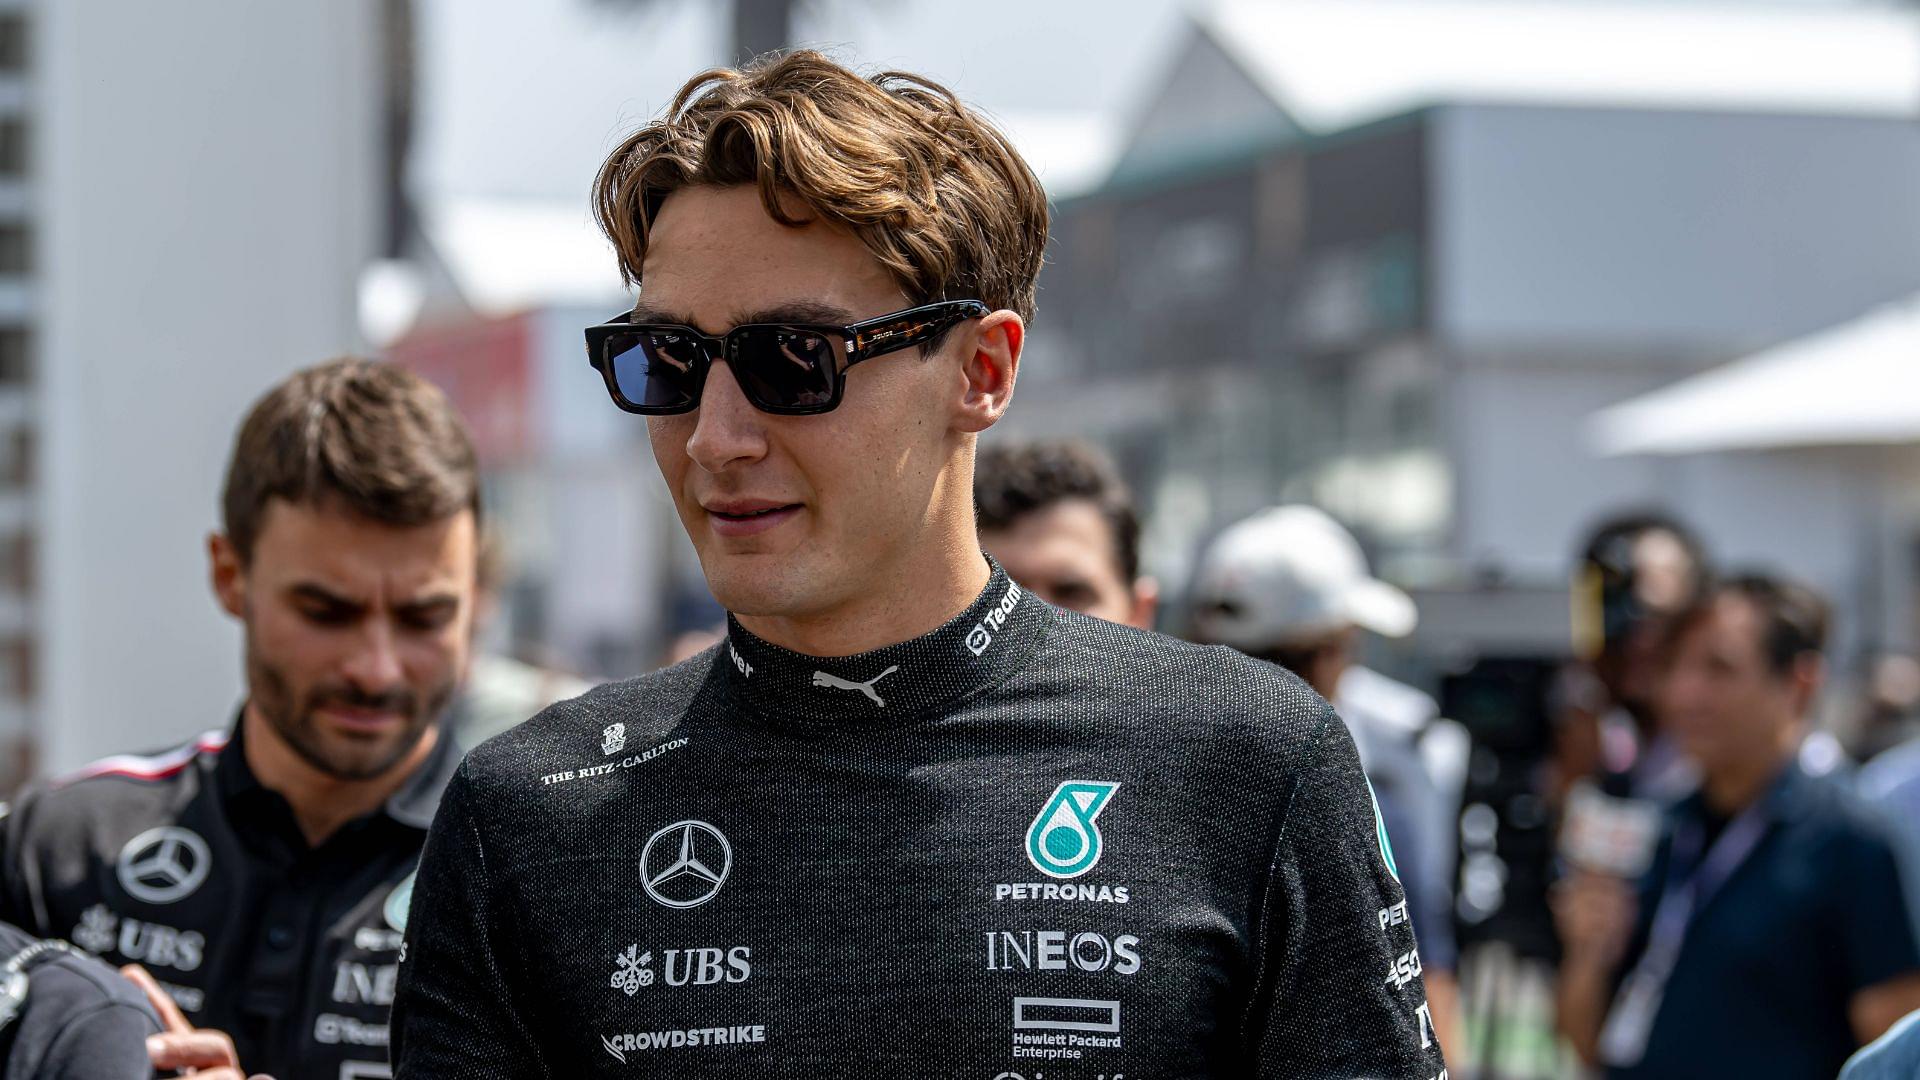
<point x="100" y="930"/>
<point x="681" y="967"/>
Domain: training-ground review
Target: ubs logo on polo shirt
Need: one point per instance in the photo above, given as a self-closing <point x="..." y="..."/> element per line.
<point x="101" y="930"/>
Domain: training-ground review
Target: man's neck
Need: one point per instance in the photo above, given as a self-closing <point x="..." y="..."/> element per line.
<point x="321" y="803"/>
<point x="891" y="611"/>
<point x="1732" y="788"/>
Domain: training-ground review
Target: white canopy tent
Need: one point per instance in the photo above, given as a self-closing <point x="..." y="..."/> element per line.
<point x="1857" y="384"/>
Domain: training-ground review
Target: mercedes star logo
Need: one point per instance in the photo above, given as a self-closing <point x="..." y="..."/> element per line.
<point x="163" y="865"/>
<point x="684" y="864"/>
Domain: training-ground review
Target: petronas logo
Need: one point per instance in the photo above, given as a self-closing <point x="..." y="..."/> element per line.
<point x="1063" y="841"/>
<point x="1380" y="831"/>
<point x="398" y="902"/>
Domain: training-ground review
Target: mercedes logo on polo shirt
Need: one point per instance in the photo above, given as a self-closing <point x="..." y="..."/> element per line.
<point x="164" y="865"/>
<point x="684" y="864"/>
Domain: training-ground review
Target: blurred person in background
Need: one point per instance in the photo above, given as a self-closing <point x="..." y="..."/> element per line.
<point x="1616" y="767"/>
<point x="1772" y="936"/>
<point x="1291" y="586"/>
<point x="1889" y="743"/>
<point x="262" y="872"/>
<point x="1889" y="713"/>
<point x="1635" y="573"/>
<point x="906" y="819"/>
<point x="1061" y="523"/>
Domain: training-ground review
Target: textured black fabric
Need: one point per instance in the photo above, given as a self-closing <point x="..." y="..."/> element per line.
<point x="907" y="881"/>
<point x="81" y="1020"/>
<point x="291" y="950"/>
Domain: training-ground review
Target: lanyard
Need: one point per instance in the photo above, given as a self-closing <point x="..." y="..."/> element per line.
<point x="1690" y="884"/>
<point x="1688" y="891"/>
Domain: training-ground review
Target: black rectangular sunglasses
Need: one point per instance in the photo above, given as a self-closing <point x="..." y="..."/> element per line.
<point x="792" y="369"/>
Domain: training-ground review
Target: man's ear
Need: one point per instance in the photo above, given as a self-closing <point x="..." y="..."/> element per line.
<point x="988" y="371"/>
<point x="1807" y="676"/>
<point x="228" y="574"/>
<point x="1146" y="603"/>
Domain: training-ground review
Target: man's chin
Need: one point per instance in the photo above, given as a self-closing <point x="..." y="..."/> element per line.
<point x="761" y="585"/>
<point x="356" y="755"/>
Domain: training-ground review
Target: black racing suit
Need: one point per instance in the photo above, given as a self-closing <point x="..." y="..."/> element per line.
<point x="1027" y="844"/>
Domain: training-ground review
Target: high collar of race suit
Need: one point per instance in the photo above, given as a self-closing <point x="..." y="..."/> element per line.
<point x="976" y="649"/>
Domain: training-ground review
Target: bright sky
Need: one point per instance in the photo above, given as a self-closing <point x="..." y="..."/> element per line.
<point x="524" y="97"/>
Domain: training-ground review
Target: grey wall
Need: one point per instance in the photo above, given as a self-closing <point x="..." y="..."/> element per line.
<point x="207" y="191"/>
<point x="1685" y="231"/>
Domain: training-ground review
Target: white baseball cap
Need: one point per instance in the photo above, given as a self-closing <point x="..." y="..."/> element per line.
<point x="1290" y="573"/>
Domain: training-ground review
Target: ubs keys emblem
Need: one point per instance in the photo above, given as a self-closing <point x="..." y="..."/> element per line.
<point x="1063" y="841"/>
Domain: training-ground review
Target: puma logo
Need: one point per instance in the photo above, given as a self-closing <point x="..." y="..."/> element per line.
<point x="821" y="678"/>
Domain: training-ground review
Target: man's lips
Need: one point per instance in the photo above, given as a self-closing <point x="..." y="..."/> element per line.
<point x="355" y="718"/>
<point x="748" y="517"/>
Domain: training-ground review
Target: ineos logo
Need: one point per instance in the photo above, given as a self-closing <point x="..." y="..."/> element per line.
<point x="164" y="865"/>
<point x="684" y="864"/>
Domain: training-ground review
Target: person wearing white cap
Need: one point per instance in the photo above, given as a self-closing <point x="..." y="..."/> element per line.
<point x="1290" y="585"/>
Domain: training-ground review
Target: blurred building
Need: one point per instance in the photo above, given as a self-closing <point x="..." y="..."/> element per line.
<point x="188" y="192"/>
<point x="18" y="519"/>
<point x="1388" y="256"/>
<point x="1841" y="405"/>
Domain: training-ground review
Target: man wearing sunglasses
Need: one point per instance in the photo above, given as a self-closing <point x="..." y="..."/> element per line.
<point x="906" y="819"/>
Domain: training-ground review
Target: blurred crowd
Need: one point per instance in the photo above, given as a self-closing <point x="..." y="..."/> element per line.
<point x="1725" y="891"/>
<point x="1721" y="889"/>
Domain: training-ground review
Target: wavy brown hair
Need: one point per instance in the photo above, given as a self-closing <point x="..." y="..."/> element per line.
<point x="936" y="193"/>
<point x="370" y="438"/>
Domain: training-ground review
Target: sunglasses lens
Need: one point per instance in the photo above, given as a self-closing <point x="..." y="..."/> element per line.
<point x="657" y="369"/>
<point x="788" y="369"/>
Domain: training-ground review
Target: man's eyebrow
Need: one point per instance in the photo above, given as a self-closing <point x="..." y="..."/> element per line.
<point x="803" y="312"/>
<point x="432" y="598"/>
<point x="307" y="590"/>
<point x="433" y="601"/>
<point x="646" y="313"/>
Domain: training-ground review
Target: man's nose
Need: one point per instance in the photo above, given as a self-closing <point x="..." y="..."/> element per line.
<point x="375" y="665"/>
<point x="727" y="429"/>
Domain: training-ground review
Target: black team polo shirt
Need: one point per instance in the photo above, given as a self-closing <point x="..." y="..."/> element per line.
<point x="1027" y="844"/>
<point x="185" y="863"/>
